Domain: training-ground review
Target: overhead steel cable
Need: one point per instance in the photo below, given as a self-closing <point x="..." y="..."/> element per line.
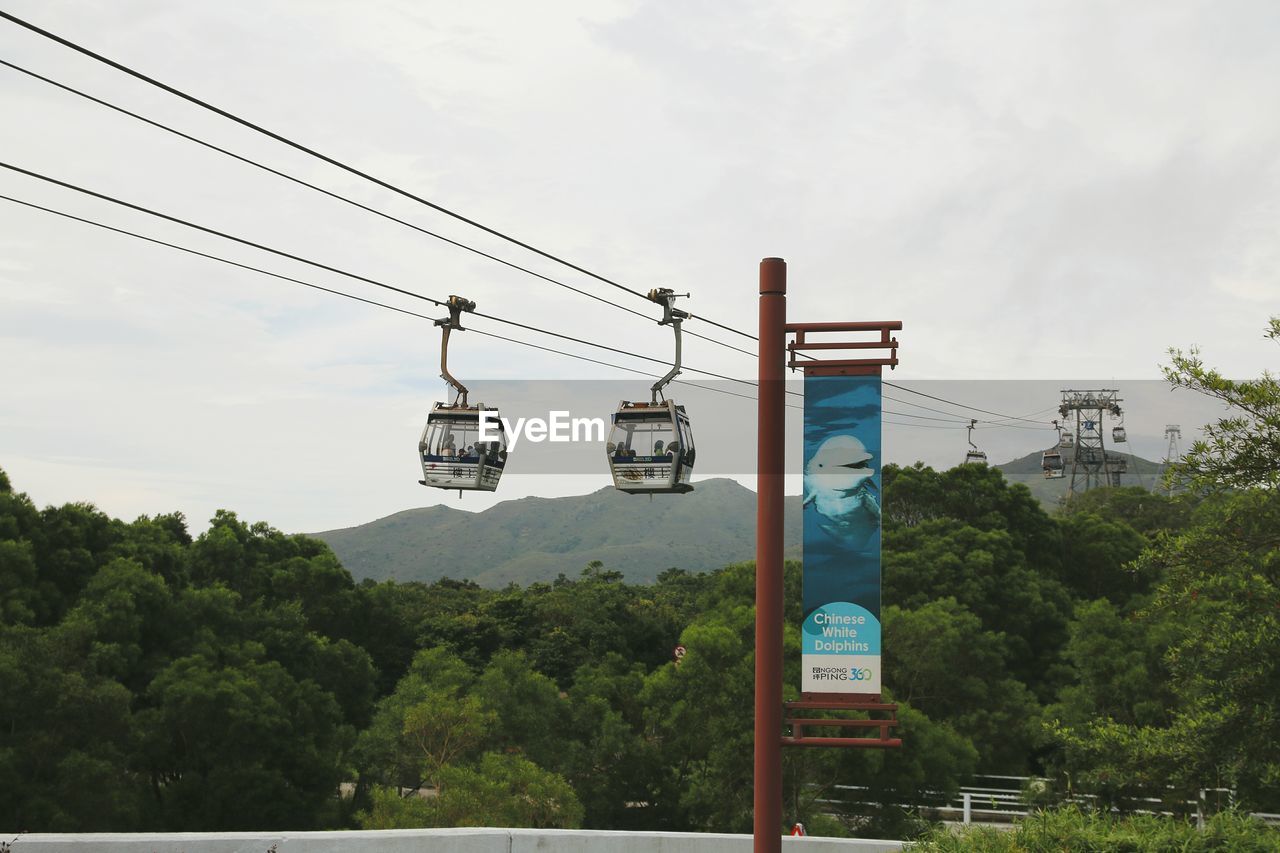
<point x="332" y="161"/>
<point x="338" y="271"/>
<point x="338" y="196"/>
<point x="964" y="406"/>
<point x="376" y="283"/>
<point x="916" y="426"/>
<point x="352" y="296"/>
<point x="955" y="415"/>
<point x="925" y="417"/>
<point x="406" y="193"/>
<point x="214" y="231"/>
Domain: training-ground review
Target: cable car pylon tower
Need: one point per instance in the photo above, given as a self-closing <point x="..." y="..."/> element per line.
<point x="1090" y="465"/>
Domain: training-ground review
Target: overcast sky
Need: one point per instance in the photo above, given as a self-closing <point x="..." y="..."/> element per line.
<point x="1052" y="191"/>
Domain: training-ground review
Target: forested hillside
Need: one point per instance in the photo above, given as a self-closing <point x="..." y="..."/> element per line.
<point x="534" y="539"/>
<point x="235" y="680"/>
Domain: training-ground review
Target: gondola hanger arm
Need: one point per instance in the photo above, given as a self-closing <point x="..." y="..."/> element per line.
<point x="673" y="317"/>
<point x="456" y="306"/>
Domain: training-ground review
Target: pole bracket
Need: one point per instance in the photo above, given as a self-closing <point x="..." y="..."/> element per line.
<point x="843" y="366"/>
<point x="799" y="716"/>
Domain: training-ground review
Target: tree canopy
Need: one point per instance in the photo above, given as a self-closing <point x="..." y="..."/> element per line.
<point x="241" y="679"/>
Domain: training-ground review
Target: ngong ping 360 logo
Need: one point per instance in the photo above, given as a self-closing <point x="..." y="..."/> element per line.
<point x="841" y="673"/>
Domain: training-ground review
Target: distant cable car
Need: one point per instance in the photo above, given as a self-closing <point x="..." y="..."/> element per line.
<point x="1051" y="462"/>
<point x="453" y="452"/>
<point x="974" y="456"/>
<point x="650" y="447"/>
<point x="1067" y="441"/>
<point x="1117" y="432"/>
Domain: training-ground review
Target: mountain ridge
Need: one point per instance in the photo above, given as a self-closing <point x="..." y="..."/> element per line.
<point x="532" y="539"/>
<point x="535" y="539"/>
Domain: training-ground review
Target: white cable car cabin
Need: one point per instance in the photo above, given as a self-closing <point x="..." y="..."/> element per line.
<point x="1051" y="462"/>
<point x="453" y="454"/>
<point x="1067" y="441"/>
<point x="974" y="456"/>
<point x="651" y="448"/>
<point x="1118" y="435"/>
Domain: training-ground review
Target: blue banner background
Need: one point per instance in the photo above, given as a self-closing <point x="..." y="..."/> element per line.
<point x="842" y="453"/>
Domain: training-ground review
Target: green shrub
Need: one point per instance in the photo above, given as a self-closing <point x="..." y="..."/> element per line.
<point x="1075" y="830"/>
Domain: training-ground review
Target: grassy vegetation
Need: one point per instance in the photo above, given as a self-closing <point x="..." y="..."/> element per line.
<point x="1071" y="829"/>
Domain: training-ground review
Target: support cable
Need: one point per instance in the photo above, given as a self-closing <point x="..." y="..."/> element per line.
<point x="964" y="406"/>
<point x="338" y="196"/>
<point x="333" y="269"/>
<point x="356" y="298"/>
<point x="406" y="193"/>
<point x="331" y="161"/>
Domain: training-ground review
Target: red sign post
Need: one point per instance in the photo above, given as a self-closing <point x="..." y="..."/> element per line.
<point x="771" y="440"/>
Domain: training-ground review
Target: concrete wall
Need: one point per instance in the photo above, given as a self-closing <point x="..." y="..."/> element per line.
<point x="426" y="841"/>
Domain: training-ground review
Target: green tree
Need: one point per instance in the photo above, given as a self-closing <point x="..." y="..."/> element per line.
<point x="1240" y="451"/>
<point x="71" y="542"/>
<point x="699" y="715"/>
<point x="603" y="736"/>
<point x="1147" y="512"/>
<point x="501" y="790"/>
<point x="239" y="744"/>
<point x="1096" y="558"/>
<point x="507" y="790"/>
<point x="65" y="739"/>
<point x="528" y="711"/>
<point x="987" y="573"/>
<point x="123" y="623"/>
<point x="977" y="496"/>
<point x="1118" y="666"/>
<point x="20" y="600"/>
<point x="425" y="725"/>
<point x="939" y="660"/>
<point x="1220" y="594"/>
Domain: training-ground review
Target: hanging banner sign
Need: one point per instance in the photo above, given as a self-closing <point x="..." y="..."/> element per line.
<point x="842" y="459"/>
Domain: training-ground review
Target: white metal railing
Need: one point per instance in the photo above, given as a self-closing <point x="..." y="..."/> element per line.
<point x="987" y="803"/>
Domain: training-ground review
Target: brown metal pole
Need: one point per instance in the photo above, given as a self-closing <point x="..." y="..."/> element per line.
<point x="769" y="486"/>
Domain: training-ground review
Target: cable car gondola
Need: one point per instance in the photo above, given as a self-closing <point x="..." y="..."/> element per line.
<point x="1118" y="434"/>
<point x="1051" y="459"/>
<point x="1051" y="462"/>
<point x="454" y="451"/>
<point x="974" y="456"/>
<point x="650" y="447"/>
